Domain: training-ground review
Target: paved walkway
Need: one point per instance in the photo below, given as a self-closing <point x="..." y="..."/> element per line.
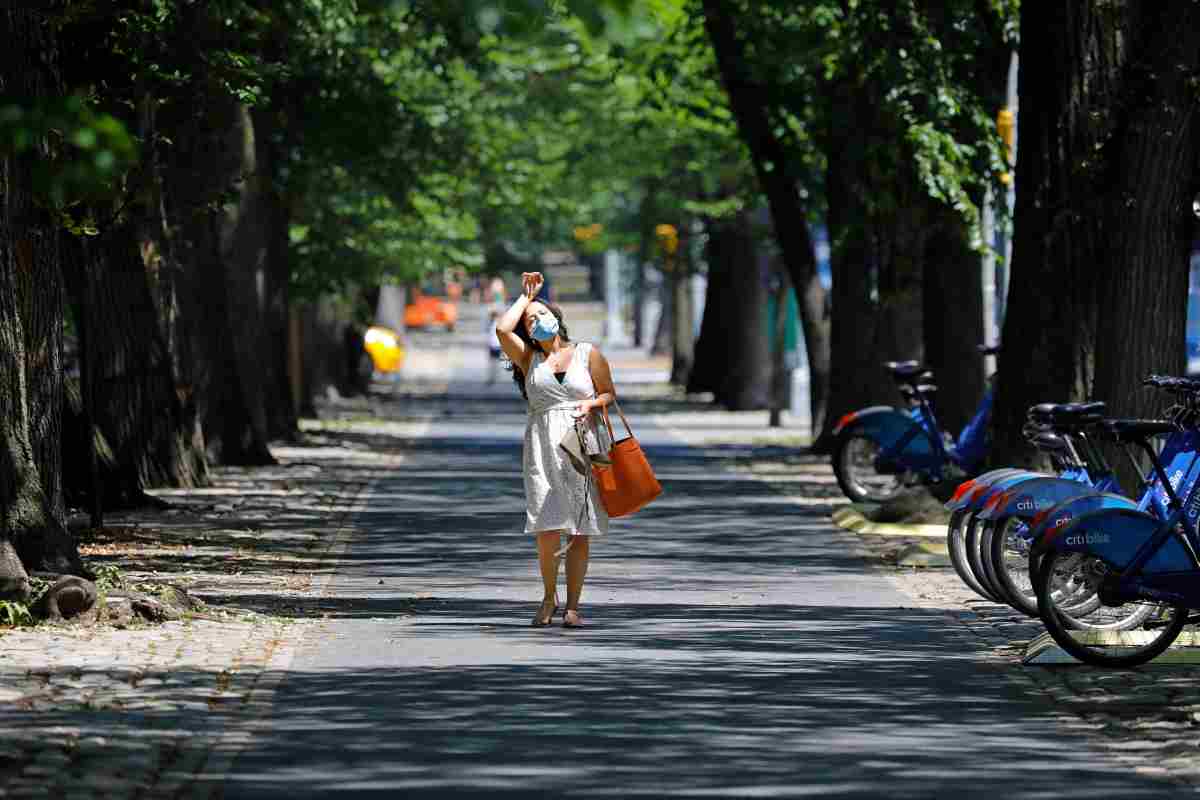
<point x="737" y="647"/>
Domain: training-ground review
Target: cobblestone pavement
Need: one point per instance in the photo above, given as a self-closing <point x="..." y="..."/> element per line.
<point x="149" y="710"/>
<point x="1147" y="718"/>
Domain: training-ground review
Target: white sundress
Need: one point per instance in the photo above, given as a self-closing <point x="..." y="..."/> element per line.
<point x="554" y="491"/>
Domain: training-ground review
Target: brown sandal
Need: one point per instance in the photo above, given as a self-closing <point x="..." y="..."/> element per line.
<point x="540" y="621"/>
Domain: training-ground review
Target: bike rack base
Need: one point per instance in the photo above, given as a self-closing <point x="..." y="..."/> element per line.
<point x="1043" y="651"/>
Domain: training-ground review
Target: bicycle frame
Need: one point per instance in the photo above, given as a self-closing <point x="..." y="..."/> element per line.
<point x="1180" y="450"/>
<point x="1148" y="557"/>
<point x="910" y="441"/>
<point x="905" y="443"/>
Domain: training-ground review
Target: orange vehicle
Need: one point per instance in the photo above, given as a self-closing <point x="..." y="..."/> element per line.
<point x="426" y="311"/>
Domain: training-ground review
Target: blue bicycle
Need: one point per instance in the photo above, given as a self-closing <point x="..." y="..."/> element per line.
<point x="1139" y="563"/>
<point x="880" y="450"/>
<point x="978" y="540"/>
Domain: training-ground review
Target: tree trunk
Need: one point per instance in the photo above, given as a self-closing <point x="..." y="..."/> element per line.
<point x="953" y="322"/>
<point x="856" y="332"/>
<point x="666" y="317"/>
<point x="212" y="148"/>
<point x="245" y="250"/>
<point x="322" y="323"/>
<point x="683" y="345"/>
<point x="1152" y="177"/>
<point x="280" y="410"/>
<point x="137" y="392"/>
<point x="781" y="291"/>
<point x="32" y="516"/>
<point x="135" y="396"/>
<point x="814" y="302"/>
<point x="646" y="221"/>
<point x="750" y="104"/>
<point x="210" y="152"/>
<point x="1102" y="227"/>
<point x="732" y="353"/>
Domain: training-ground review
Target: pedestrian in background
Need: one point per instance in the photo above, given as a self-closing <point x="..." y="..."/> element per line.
<point x="493" y="340"/>
<point x="562" y="382"/>
<point x="496" y="291"/>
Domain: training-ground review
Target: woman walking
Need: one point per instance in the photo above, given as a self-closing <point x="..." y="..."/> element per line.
<point x="562" y="381"/>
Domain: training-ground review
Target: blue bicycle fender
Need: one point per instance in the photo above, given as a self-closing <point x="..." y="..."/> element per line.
<point x="980" y="500"/>
<point x="1115" y="535"/>
<point x="886" y="426"/>
<point x="959" y="498"/>
<point x="1061" y="515"/>
<point x="853" y="416"/>
<point x="962" y="495"/>
<point x="1026" y="499"/>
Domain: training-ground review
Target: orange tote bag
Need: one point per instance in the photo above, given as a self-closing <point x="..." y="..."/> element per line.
<point x="628" y="483"/>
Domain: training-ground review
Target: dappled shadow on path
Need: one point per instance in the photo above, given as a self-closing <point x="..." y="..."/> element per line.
<point x="672" y="700"/>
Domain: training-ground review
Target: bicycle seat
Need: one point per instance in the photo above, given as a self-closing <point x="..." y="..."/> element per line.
<point x="1041" y="412"/>
<point x="1073" y="416"/>
<point x="1079" y="409"/>
<point x="1172" y="384"/>
<point x="1049" y="442"/>
<point x="1130" y="430"/>
<point x="904" y="369"/>
<point x="988" y="349"/>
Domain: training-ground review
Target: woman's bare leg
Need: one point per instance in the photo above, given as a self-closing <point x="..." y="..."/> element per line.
<point x="577" y="566"/>
<point x="547" y="544"/>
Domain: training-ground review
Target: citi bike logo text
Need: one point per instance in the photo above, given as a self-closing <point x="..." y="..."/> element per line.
<point x="1175" y="479"/>
<point x="1193" y="504"/>
<point x="1030" y="504"/>
<point x="1089" y="538"/>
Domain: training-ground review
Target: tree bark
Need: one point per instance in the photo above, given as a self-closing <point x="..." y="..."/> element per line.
<point x="208" y="159"/>
<point x="32" y="514"/>
<point x="750" y="103"/>
<point x="858" y="344"/>
<point x="1102" y="225"/>
<point x="953" y="322"/>
<point x="732" y="353"/>
<point x="245" y="226"/>
<point x="137" y="399"/>
<point x="683" y="345"/>
<point x="276" y="276"/>
<point x="662" y="334"/>
<point x="646" y="220"/>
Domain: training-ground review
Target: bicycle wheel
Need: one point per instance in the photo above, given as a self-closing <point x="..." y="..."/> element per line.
<point x="854" y="466"/>
<point x="989" y="535"/>
<point x="1104" y="646"/>
<point x="1075" y="601"/>
<point x="1010" y="560"/>
<point x="972" y="538"/>
<point x="956" y="544"/>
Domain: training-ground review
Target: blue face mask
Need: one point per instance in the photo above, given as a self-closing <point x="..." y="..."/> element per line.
<point x="544" y="328"/>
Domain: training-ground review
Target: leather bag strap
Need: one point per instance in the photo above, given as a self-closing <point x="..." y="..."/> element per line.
<point x="608" y="422"/>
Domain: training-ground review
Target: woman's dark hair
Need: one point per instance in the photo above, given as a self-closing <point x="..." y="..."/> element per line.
<point x="518" y="374"/>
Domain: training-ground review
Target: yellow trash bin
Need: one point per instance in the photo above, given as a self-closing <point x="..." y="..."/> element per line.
<point x="383" y="345"/>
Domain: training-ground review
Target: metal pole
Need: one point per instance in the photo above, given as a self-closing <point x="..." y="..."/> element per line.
<point x="1011" y="197"/>
<point x="988" y="265"/>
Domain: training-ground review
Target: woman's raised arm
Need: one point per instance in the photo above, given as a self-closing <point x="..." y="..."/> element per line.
<point x="514" y="346"/>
